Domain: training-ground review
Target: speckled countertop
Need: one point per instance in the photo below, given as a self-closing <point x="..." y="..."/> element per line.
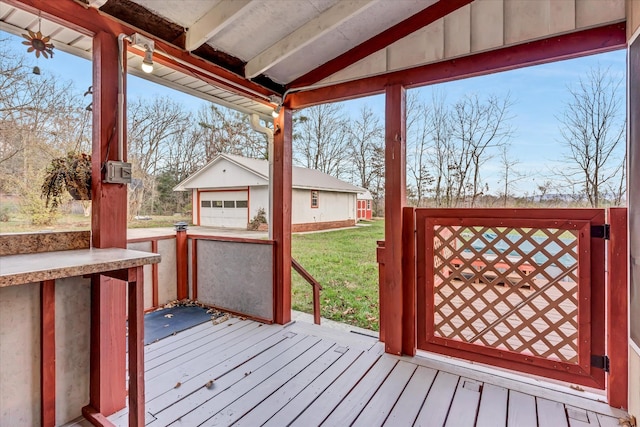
<point x="35" y="267"/>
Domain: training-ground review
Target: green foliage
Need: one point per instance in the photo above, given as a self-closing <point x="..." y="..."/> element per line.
<point x="71" y="173"/>
<point x="344" y="262"/>
<point x="36" y="209"/>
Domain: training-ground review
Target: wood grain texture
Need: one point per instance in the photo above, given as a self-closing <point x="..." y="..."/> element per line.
<point x="617" y="309"/>
<point x="48" y="353"/>
<point x="281" y="217"/>
<point x="395" y="188"/>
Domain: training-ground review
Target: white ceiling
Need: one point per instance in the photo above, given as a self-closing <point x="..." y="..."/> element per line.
<point x="272" y="45"/>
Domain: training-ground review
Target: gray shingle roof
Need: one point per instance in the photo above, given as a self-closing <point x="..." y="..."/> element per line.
<point x="301" y="177"/>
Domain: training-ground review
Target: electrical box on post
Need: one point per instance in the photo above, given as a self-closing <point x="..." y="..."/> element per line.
<point x="118" y="172"/>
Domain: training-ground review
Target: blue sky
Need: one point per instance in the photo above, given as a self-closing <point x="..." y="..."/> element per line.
<point x="539" y="94"/>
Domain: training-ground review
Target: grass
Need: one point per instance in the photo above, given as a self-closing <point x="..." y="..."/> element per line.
<point x="19" y="223"/>
<point x="344" y="262"/>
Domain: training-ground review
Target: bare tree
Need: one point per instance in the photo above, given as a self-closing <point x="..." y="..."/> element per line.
<point x="152" y="125"/>
<point x="321" y="139"/>
<point x="419" y="146"/>
<point x="593" y="131"/>
<point x="478" y="128"/>
<point x="366" y="140"/>
<point x="510" y="175"/>
<point x="227" y="131"/>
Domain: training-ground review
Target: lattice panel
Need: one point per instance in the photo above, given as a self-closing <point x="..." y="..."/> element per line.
<point x="512" y="289"/>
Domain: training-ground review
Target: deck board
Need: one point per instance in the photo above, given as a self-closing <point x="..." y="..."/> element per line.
<point x="353" y="403"/>
<point x="255" y="395"/>
<point x="195" y="374"/>
<point x="248" y="374"/>
<point x="406" y="410"/>
<point x="436" y="406"/>
<point x="465" y="404"/>
<point x="251" y="379"/>
<point x="235" y="332"/>
<point x="333" y="395"/>
<point x="551" y="414"/>
<point x="493" y="406"/>
<point x="307" y="396"/>
<point x="522" y="410"/>
<point x="380" y="406"/>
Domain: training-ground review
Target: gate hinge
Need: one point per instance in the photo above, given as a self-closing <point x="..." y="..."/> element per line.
<point x="600" y="231"/>
<point x="601" y="362"/>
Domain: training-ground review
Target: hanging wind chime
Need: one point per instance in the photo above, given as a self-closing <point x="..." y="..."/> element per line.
<point x="39" y="44"/>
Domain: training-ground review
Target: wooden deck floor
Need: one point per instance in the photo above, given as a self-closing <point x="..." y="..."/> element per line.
<point x="244" y="373"/>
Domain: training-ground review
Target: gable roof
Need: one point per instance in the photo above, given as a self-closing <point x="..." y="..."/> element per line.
<point x="302" y="178"/>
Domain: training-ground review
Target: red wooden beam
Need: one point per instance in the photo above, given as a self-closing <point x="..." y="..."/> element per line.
<point x="617" y="309"/>
<point x="182" y="267"/>
<point x="154" y="276"/>
<point x="420" y="20"/>
<point x="136" y="347"/>
<point x="109" y="229"/>
<point x="394" y="189"/>
<point x="194" y="269"/>
<point x="556" y="48"/>
<point x="48" y="353"/>
<point x="409" y="334"/>
<point x="281" y="216"/>
<point x="380" y="256"/>
<point x="89" y="21"/>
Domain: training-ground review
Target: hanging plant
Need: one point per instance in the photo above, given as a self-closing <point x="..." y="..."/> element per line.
<point x="71" y="173"/>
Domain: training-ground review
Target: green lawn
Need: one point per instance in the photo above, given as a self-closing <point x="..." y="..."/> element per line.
<point x="344" y="262"/>
<point x="19" y="223"/>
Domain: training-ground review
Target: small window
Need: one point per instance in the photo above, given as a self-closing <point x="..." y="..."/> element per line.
<point x="229" y="204"/>
<point x="216" y="203"/>
<point x="205" y="203"/>
<point x="368" y="205"/>
<point x="314" y="199"/>
<point x="242" y="204"/>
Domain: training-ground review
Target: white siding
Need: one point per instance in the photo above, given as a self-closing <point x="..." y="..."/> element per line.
<point x="258" y="198"/>
<point x="332" y="206"/>
<point x="225" y="174"/>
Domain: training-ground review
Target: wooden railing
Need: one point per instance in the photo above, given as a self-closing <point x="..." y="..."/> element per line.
<point x="315" y="285"/>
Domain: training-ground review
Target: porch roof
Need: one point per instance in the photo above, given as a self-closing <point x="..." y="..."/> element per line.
<point x="249" y="54"/>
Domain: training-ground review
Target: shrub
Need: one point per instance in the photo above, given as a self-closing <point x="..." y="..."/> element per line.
<point x="260" y="218"/>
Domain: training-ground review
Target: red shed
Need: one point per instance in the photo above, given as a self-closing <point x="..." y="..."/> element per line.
<point x="363" y="205"/>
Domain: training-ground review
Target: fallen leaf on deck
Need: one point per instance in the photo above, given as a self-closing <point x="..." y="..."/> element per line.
<point x="178" y="384"/>
<point x="209" y="384"/>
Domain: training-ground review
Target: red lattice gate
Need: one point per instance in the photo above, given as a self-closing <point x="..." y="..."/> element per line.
<point x="521" y="289"/>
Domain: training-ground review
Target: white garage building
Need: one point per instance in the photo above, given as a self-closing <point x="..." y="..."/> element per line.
<point x="230" y="189"/>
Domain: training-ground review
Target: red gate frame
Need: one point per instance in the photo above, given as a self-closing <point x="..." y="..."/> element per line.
<point x="591" y="306"/>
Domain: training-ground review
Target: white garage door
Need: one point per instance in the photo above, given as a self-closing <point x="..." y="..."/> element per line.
<point x="224" y="209"/>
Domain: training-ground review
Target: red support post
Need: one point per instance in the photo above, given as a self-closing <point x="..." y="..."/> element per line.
<point x="182" y="259"/>
<point x="48" y="353"/>
<point x="194" y="269"/>
<point x="380" y="259"/>
<point x="108" y="229"/>
<point x="281" y="215"/>
<point x="136" y="347"/>
<point x="154" y="276"/>
<point x="617" y="306"/>
<point x="409" y="334"/>
<point x="395" y="189"/>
